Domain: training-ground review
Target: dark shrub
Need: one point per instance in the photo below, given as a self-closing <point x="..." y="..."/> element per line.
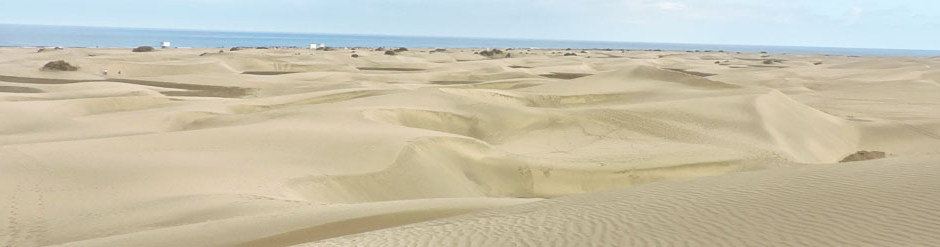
<point x="60" y="65"/>
<point x="236" y="49"/>
<point x="401" y="49"/>
<point x="771" y="61"/>
<point x="490" y="53"/>
<point x="817" y="63"/>
<point x="380" y="49"/>
<point x="143" y="49"/>
<point x="391" y="53"/>
<point x="355" y="55"/>
<point x="440" y="50"/>
<point x="583" y="51"/>
<point x="571" y="54"/>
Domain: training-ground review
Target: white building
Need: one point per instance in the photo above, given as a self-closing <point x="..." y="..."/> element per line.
<point x="165" y="44"/>
<point x="312" y="46"/>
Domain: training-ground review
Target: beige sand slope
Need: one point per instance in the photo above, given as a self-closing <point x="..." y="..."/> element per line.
<point x="277" y="147"/>
<point x="883" y="203"/>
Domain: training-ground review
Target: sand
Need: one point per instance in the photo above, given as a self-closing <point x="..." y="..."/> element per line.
<point x="282" y="147"/>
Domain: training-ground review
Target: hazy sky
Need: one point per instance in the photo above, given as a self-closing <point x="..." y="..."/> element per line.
<point x="913" y="24"/>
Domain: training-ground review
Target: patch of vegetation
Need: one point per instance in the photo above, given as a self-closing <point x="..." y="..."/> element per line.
<point x="391" y="53"/>
<point x="236" y="49"/>
<point x="571" y="54"/>
<point x="60" y="65"/>
<point x="440" y="50"/>
<point x="380" y="49"/>
<point x="401" y="49"/>
<point x="43" y="49"/>
<point x="772" y="61"/>
<point x="490" y="53"/>
<point x="143" y="49"/>
<point x="355" y="55"/>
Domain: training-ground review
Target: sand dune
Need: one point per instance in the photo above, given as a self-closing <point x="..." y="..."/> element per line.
<point x="277" y="147"/>
<point x="882" y="203"/>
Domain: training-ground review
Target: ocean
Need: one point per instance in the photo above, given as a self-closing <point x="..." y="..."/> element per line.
<point x="73" y="36"/>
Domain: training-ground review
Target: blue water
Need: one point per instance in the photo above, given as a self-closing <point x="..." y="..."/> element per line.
<point x="71" y="36"/>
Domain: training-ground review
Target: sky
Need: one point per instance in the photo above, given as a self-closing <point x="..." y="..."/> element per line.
<point x="898" y="24"/>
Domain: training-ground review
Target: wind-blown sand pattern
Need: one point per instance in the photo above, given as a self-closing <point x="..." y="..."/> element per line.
<point x="285" y="147"/>
<point x="872" y="204"/>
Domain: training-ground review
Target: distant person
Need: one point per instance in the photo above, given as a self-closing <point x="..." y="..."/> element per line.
<point x="105" y="72"/>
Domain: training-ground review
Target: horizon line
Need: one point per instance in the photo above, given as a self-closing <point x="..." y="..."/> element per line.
<point x="461" y="37"/>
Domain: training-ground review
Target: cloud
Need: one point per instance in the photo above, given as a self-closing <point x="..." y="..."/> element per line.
<point x="670" y="5"/>
<point x="854" y="14"/>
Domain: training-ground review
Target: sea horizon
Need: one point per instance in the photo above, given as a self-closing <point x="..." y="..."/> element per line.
<point x="32" y="35"/>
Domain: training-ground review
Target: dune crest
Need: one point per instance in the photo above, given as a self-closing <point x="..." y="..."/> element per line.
<point x="877" y="203"/>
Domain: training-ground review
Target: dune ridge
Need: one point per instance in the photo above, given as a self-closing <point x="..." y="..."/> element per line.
<point x="879" y="203"/>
